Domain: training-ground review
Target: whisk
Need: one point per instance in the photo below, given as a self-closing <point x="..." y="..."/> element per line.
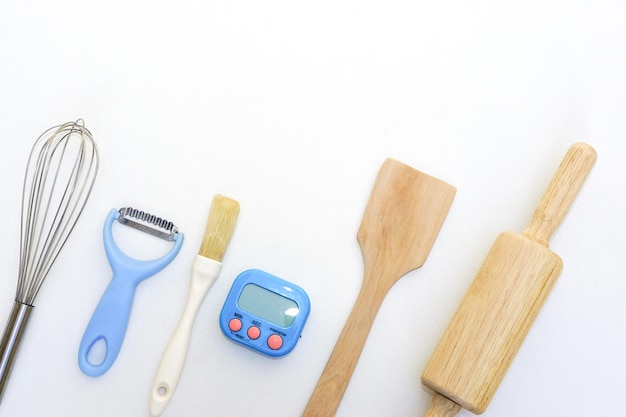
<point x="60" y="174"/>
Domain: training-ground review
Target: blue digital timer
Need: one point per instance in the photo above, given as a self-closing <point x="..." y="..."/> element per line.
<point x="264" y="313"/>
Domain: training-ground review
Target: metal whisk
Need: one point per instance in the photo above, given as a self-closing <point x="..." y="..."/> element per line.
<point x="59" y="177"/>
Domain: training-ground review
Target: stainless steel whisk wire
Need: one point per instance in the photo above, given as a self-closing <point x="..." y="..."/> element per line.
<point x="32" y="221"/>
<point x="55" y="191"/>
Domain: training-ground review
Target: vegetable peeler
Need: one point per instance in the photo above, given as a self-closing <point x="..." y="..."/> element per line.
<point x="110" y="318"/>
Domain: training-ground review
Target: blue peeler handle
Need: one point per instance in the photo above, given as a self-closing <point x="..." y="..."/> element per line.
<point x="110" y="318"/>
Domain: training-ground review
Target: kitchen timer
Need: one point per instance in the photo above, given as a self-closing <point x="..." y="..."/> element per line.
<point x="264" y="313"/>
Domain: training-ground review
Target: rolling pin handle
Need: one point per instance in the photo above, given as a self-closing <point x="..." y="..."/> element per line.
<point x="442" y="407"/>
<point x="561" y="192"/>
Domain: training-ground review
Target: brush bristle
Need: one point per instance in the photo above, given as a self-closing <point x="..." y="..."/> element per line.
<point x="219" y="228"/>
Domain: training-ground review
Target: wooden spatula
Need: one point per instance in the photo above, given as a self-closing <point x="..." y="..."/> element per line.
<point x="503" y="301"/>
<point x="402" y="219"/>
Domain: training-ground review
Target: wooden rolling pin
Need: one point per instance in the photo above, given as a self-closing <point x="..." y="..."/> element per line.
<point x="503" y="300"/>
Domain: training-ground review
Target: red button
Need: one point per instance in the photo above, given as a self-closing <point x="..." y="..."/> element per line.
<point x="235" y="325"/>
<point x="254" y="332"/>
<point x="275" y="342"/>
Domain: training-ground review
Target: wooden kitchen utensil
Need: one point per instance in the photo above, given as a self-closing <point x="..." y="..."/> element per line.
<point x="402" y="219"/>
<point x="503" y="301"/>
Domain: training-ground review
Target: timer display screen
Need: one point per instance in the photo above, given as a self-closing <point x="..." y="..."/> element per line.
<point x="268" y="305"/>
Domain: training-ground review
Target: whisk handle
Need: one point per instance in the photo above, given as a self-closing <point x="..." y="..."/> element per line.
<point x="108" y="323"/>
<point x="11" y="340"/>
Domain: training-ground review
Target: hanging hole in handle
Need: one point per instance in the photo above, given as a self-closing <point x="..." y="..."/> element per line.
<point x="97" y="352"/>
<point x="162" y="390"/>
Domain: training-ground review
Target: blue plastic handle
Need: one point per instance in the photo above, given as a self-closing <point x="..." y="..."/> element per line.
<point x="110" y="318"/>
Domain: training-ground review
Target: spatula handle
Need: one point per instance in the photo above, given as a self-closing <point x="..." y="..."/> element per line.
<point x="561" y="192"/>
<point x="334" y="380"/>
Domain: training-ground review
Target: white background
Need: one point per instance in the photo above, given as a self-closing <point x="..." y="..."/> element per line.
<point x="291" y="107"/>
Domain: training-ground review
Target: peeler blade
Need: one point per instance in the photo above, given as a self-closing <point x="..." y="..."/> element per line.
<point x="147" y="223"/>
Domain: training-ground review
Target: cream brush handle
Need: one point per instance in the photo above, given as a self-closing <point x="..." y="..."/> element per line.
<point x="204" y="272"/>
